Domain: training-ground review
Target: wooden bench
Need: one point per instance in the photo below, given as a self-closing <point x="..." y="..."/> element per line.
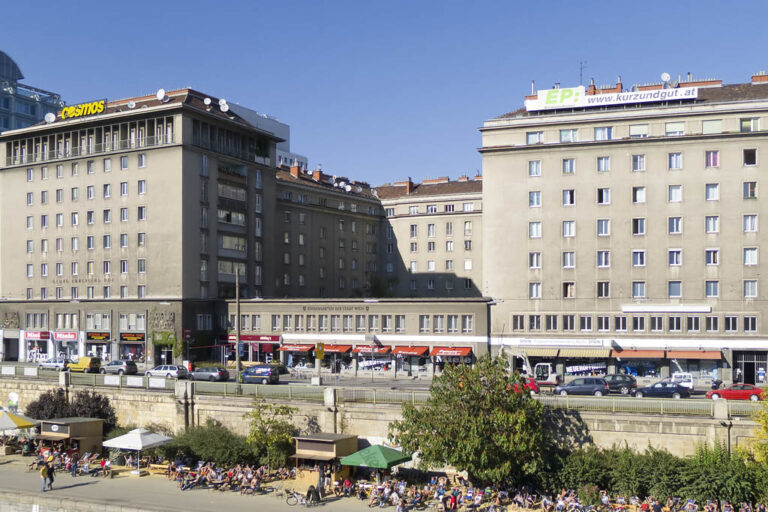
<point x="159" y="469"/>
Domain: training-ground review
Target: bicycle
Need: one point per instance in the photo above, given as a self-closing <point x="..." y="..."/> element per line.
<point x="295" y="498"/>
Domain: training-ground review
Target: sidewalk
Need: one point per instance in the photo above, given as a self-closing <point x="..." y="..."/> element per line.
<point x="145" y="494"/>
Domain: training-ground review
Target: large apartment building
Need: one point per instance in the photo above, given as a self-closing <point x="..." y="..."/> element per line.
<point x="22" y="105"/>
<point x="626" y="228"/>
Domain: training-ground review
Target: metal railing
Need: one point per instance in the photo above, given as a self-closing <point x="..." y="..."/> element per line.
<point x="687" y="407"/>
<point x="87" y="150"/>
<point x="742" y="408"/>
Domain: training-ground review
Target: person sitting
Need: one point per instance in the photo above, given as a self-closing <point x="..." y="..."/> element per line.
<point x="347" y="488"/>
<point x="191" y="481"/>
<point x="375" y="496"/>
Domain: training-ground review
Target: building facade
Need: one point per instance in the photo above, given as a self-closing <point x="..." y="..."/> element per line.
<point x="626" y="229"/>
<point x="22" y="105"/>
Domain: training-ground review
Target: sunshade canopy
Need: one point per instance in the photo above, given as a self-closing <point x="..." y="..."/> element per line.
<point x="137" y="440"/>
<point x="10" y="421"/>
<point x="377" y="456"/>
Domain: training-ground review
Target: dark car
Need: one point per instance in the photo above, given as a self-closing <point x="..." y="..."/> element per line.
<point x="210" y="373"/>
<point x="120" y="368"/>
<point x="664" y="389"/>
<point x="260" y="374"/>
<point x="596" y="386"/>
<point x="620" y="383"/>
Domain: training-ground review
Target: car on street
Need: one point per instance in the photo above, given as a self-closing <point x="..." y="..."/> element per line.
<point x="738" y="392"/>
<point x="86" y="364"/>
<point x="529" y="385"/>
<point x="210" y="373"/>
<point x="260" y="374"/>
<point x="664" y="389"/>
<point x="59" y="363"/>
<point x="168" y="371"/>
<point x="596" y="386"/>
<point x="120" y="368"/>
<point x="621" y="383"/>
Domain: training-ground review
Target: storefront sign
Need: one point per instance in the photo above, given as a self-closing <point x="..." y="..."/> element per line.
<point x="65" y="336"/>
<point x="37" y="335"/>
<point x="296" y="348"/>
<point x="84" y="109"/>
<point x="577" y="97"/>
<point x="263" y="338"/>
<point x="320" y="351"/>
<point x="366" y="349"/>
<point x="98" y="336"/>
<point x="136" y="337"/>
<point x="585" y="368"/>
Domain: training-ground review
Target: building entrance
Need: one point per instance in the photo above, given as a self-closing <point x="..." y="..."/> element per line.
<point x="750" y="367"/>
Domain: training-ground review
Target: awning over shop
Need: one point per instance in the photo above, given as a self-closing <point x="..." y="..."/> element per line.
<point x="450" y="351"/>
<point x="296" y="348"/>
<point x="541" y="352"/>
<point x="366" y="349"/>
<point x="337" y="349"/>
<point x="313" y="456"/>
<point x="694" y="354"/>
<point x="585" y="352"/>
<point x="638" y="354"/>
<point x="410" y="351"/>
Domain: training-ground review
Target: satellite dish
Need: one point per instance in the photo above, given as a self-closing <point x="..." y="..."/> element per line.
<point x="224" y="107"/>
<point x="348" y="188"/>
<point x="665" y="77"/>
<point x="50" y="117"/>
<point x="207" y="101"/>
<point x="331" y="180"/>
<point x="358" y="189"/>
<point x="160" y="94"/>
<point x="674" y="84"/>
<point x="131" y="104"/>
<point x="222" y="102"/>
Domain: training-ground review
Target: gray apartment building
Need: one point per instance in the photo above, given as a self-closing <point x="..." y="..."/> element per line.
<point x="22" y="105"/>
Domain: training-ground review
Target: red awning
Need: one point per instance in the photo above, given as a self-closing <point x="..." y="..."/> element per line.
<point x="450" y="351"/>
<point x="337" y="349"/>
<point x="638" y="354"/>
<point x="410" y="351"/>
<point x="694" y="354"/>
<point x="366" y="349"/>
<point x="296" y="348"/>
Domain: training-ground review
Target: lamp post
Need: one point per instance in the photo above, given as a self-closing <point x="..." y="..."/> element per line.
<point x="729" y="426"/>
<point x="237" y="328"/>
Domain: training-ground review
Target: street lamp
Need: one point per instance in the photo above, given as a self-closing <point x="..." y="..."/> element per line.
<point x="729" y="426"/>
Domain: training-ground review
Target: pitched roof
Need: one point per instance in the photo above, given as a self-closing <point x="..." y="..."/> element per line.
<point x="306" y="179"/>
<point x="430" y="189"/>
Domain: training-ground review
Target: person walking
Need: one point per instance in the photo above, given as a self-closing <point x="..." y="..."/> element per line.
<point x="51" y="472"/>
<point x="43" y="475"/>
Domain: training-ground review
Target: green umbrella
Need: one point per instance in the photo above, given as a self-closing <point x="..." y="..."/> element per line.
<point x="377" y="456"/>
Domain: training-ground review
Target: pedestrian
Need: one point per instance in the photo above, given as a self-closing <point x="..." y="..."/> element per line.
<point x="321" y="482"/>
<point x="51" y="472"/>
<point x="43" y="475"/>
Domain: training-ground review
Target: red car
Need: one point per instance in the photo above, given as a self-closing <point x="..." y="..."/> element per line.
<point x="529" y="386"/>
<point x="738" y="392"/>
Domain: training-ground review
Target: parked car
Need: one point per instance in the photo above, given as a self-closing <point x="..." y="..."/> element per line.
<point x="738" y="392"/>
<point x="86" y="364"/>
<point x="210" y="373"/>
<point x="684" y="379"/>
<point x="664" y="389"/>
<point x="168" y="371"/>
<point x="120" y="368"/>
<point x="529" y="386"/>
<point x="621" y="383"/>
<point x="596" y="386"/>
<point x="59" y="363"/>
<point x="260" y="374"/>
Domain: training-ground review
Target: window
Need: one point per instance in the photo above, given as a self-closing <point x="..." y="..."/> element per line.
<point x="638" y="163"/>
<point x="449" y="228"/>
<point x="142" y="160"/>
<point x="731" y="323"/>
<point x="750" y="223"/>
<point x="414" y="231"/>
<point x="59" y="220"/>
<point x="468" y="207"/>
<point x="712" y="126"/>
<point x="712" y="323"/>
<point x="123" y="266"/>
<point x="534" y="260"/>
<point x="712" y="288"/>
<point x="43" y="221"/>
<point x="569" y="197"/>
<point x="142" y="239"/>
<point x="534" y="168"/>
<point x="750" y="190"/>
<point x="30" y="199"/>
<point x="568" y="135"/>
<point x="142" y="213"/>
<point x="750" y="324"/>
<point x="449" y="245"/>
<point x="534" y="322"/>
<point x="534" y="199"/>
<point x="534" y="290"/>
<point x="74" y="193"/>
<point x="141" y="265"/>
<point x="675" y="161"/>
<point x="603" y="227"/>
<point x="603" y="259"/>
<point x="534" y="230"/>
<point x="467" y="245"/>
<point x="431" y="208"/>
<point x="107" y="216"/>
<point x="603" y="323"/>
<point x="712" y="158"/>
<point x="123" y="163"/>
<point x="675" y="289"/>
<point x="569" y="259"/>
<point x="603" y="164"/>
<point x="675" y="193"/>
<point x="569" y="290"/>
<point x="603" y="289"/>
<point x="59" y="195"/>
<point x="569" y="322"/>
<point x="448" y="264"/>
<point x="30" y="174"/>
<point x="712" y="223"/>
<point x="90" y="243"/>
<point x="638" y="195"/>
<point x="550" y="321"/>
<point x="693" y="324"/>
<point x="638" y="289"/>
<point x="142" y="291"/>
<point x="569" y="166"/>
<point x="675" y="257"/>
<point x="674" y="323"/>
<point x="413" y="210"/>
<point x="430" y="246"/>
<point x="142" y="187"/>
<point x="749" y="124"/>
<point x="603" y="196"/>
<point x="585" y="323"/>
<point x="675" y="225"/>
<point x="638" y="226"/>
<point x="638" y="258"/>
<point x="448" y="208"/>
<point x="674" y="129"/>
<point x="638" y="131"/>
<point x="107" y="191"/>
<point x="44" y="197"/>
<point x="106" y="266"/>
<point x="750" y="157"/>
<point x="414" y="247"/>
<point x="569" y="228"/>
<point x="638" y="323"/>
<point x="534" y="137"/>
<point x="712" y="256"/>
<point x="603" y="133"/>
<point x="430" y="230"/>
<point x="712" y="192"/>
<point x="123" y="214"/>
<point x="30" y="222"/>
<point x="89" y="192"/>
<point x="467" y="264"/>
<point x="750" y="256"/>
<point x="750" y="289"/>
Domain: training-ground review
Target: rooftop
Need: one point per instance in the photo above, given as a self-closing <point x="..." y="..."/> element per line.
<point x="437" y="187"/>
<point x="319" y="180"/>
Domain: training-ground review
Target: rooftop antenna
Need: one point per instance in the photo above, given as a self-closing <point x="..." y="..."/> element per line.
<point x="582" y="65"/>
<point x="533" y="88"/>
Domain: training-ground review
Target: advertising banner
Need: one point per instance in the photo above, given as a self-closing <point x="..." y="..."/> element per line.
<point x="577" y="97"/>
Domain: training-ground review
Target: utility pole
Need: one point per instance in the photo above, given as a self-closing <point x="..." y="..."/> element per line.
<point x="237" y="326"/>
<point x="582" y="65"/>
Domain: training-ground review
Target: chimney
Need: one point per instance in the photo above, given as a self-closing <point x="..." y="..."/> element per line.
<point x="317" y="175"/>
<point x="295" y="171"/>
<point x="463" y="178"/>
<point x="619" y="85"/>
<point x="760" y="78"/>
<point x="407" y="184"/>
<point x="592" y="89"/>
<point x="478" y="177"/>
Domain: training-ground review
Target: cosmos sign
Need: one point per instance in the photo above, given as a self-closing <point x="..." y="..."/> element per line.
<point x="83" y="109"/>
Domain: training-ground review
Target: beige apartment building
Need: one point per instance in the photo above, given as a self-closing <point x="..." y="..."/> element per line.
<point x="626" y="228"/>
<point x="432" y="237"/>
<point x="125" y="222"/>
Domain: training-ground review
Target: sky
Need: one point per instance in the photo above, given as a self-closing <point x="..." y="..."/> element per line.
<point x="377" y="90"/>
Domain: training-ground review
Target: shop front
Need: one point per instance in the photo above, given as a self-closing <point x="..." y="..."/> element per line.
<point x="641" y="363"/>
<point x="373" y="357"/>
<point x="297" y="355"/>
<point x="337" y="357"/>
<point x="749" y="367"/>
<point x="442" y="356"/>
<point x="584" y="361"/>
<point x="133" y="346"/>
<point x="97" y="343"/>
<point x="65" y="344"/>
<point x="701" y="364"/>
<point x="411" y="360"/>
<point x="254" y="348"/>
<point x="35" y="345"/>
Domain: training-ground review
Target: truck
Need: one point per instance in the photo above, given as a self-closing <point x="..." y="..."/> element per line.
<point x="543" y="373"/>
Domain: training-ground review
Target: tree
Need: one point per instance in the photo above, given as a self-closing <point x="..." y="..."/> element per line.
<point x="478" y="419"/>
<point x="85" y="404"/>
<point x="271" y="433"/>
<point x="212" y="442"/>
<point x="49" y="405"/>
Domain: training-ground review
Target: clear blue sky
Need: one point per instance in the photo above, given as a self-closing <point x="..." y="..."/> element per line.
<point x="377" y="90"/>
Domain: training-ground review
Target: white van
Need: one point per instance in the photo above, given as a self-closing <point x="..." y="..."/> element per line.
<point x="684" y="379"/>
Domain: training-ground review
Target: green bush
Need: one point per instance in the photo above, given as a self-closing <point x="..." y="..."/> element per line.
<point x="211" y="442"/>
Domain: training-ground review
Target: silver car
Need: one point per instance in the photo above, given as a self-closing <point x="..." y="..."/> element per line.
<point x="168" y="371"/>
<point x="58" y="363"/>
